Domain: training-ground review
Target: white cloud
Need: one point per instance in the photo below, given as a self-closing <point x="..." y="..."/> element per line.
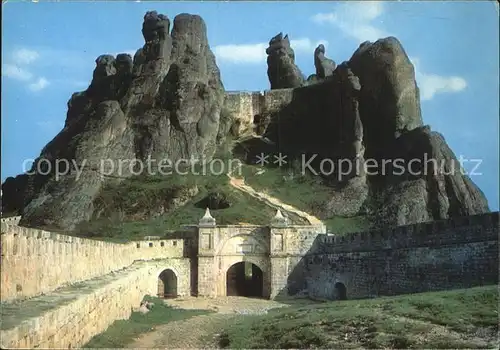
<point x="305" y="45"/>
<point x="361" y="21"/>
<point x="16" y="69"/>
<point x="25" y="56"/>
<point x="15" y="72"/>
<point x="39" y="84"/>
<point x="433" y="84"/>
<point x="256" y="53"/>
<point x="358" y="19"/>
<point x="242" y="53"/>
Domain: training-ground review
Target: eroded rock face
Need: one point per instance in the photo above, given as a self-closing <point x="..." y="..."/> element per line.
<point x="324" y="66"/>
<point x="163" y="104"/>
<point x="436" y="188"/>
<point x="389" y="94"/>
<point x="167" y="102"/>
<point x="192" y="93"/>
<point x="369" y="110"/>
<point x="281" y="68"/>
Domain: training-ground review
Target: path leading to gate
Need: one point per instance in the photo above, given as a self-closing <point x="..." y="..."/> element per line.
<point x="273" y="201"/>
<point x="199" y="332"/>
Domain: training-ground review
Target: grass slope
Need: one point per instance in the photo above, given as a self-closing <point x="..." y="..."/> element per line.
<point x="143" y="194"/>
<point x="306" y="192"/>
<point x="452" y="319"/>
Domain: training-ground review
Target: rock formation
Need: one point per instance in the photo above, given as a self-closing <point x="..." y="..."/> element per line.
<point x="324" y="66"/>
<point x="281" y="68"/>
<point x="369" y="109"/>
<point x="390" y="94"/>
<point x="165" y="104"/>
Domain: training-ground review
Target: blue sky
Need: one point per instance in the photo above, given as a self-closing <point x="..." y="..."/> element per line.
<point x="48" y="52"/>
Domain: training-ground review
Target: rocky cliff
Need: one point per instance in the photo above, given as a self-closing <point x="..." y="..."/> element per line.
<point x="163" y="104"/>
<point x="166" y="103"/>
<point x="360" y="127"/>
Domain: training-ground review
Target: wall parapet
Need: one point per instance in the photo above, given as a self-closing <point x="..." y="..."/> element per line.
<point x="13" y="220"/>
<point x="459" y="230"/>
<point x="88" y="309"/>
<point x="37" y="261"/>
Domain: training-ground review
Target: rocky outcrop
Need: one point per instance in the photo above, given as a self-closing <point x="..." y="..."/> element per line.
<point x="163" y="104"/>
<point x="390" y="98"/>
<point x="324" y="66"/>
<point x="13" y="190"/>
<point x="369" y="109"/>
<point x="281" y="68"/>
<point x="434" y="187"/>
<point x="166" y="104"/>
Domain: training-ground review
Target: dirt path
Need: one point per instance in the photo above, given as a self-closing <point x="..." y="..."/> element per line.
<point x="273" y="202"/>
<point x="200" y="331"/>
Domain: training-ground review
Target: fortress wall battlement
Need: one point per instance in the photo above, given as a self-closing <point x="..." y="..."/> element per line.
<point x="460" y="230"/>
<point x="37" y="261"/>
<point x="245" y="105"/>
<point x="13" y="220"/>
<point x="456" y="253"/>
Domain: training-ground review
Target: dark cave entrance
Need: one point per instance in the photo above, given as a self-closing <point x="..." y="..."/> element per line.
<point x="340" y="292"/>
<point x="167" y="284"/>
<point x="244" y="279"/>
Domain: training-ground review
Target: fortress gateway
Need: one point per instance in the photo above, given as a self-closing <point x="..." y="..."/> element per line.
<point x="59" y="291"/>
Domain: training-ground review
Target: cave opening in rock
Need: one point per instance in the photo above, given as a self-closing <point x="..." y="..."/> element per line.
<point x="244" y="279"/>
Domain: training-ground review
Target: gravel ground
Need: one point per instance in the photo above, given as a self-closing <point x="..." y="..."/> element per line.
<point x="194" y="332"/>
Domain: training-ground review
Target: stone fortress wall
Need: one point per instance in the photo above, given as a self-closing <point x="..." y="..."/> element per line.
<point x="59" y="291"/>
<point x="446" y="254"/>
<point x="245" y="105"/>
<point x="69" y="317"/>
<point x="36" y="261"/>
<point x="78" y="287"/>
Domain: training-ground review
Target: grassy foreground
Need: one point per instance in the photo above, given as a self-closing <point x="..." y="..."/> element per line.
<point x="123" y="332"/>
<point x="465" y="318"/>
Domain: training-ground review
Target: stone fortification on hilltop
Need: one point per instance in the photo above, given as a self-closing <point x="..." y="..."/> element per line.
<point x="167" y="101"/>
<point x="367" y="108"/>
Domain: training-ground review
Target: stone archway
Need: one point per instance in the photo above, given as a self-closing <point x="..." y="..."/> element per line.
<point x="244" y="279"/>
<point x="340" y="291"/>
<point x="167" y="284"/>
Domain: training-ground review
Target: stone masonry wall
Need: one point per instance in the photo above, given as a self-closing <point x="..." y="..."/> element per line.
<point x="93" y="309"/>
<point x="36" y="261"/>
<point x="447" y="254"/>
<point x="245" y="105"/>
<point x="223" y="246"/>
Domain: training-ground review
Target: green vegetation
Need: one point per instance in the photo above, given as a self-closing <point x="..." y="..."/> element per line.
<point x="465" y="318"/>
<point x="159" y="205"/>
<point x="123" y="332"/>
<point x="305" y="192"/>
<point x="130" y="209"/>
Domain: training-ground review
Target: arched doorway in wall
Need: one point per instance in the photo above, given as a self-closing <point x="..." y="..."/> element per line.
<point x="244" y="279"/>
<point x="167" y="284"/>
<point x="340" y="291"/>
